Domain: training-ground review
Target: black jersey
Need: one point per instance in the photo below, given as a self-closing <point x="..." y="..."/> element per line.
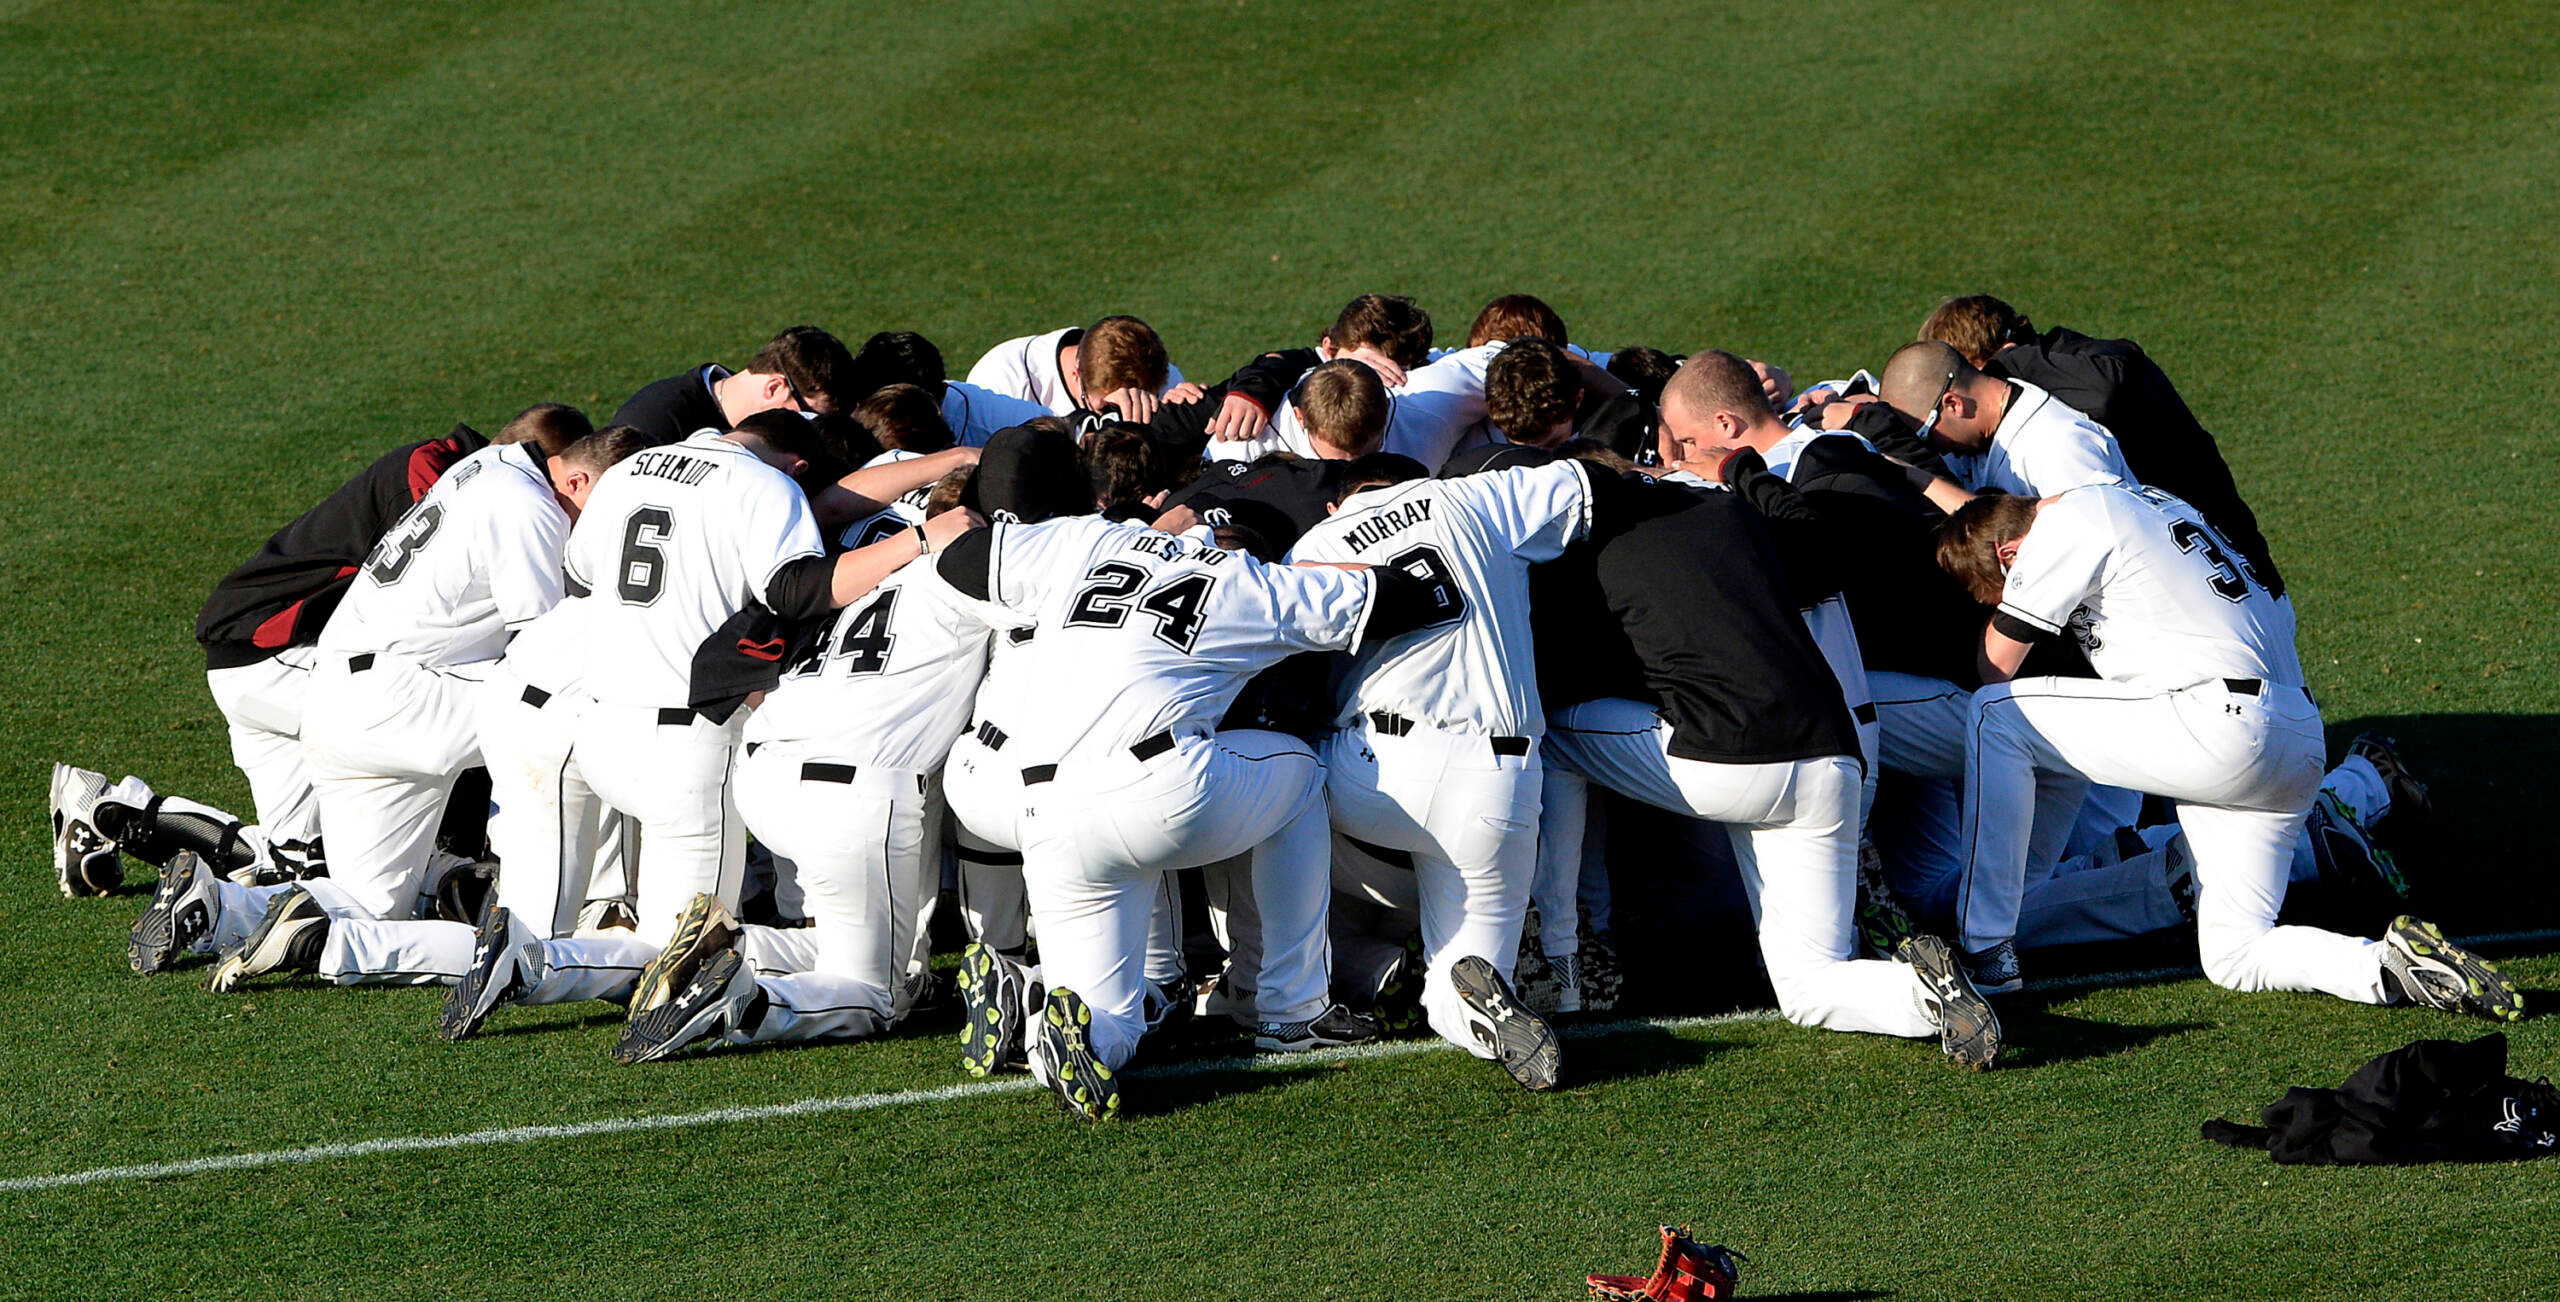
<point x="282" y="596"/>
<point x="1697" y="602"/>
<point x="671" y="410"/>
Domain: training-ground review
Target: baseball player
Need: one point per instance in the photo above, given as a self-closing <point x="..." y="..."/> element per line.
<point x="1117" y="361"/>
<point x="673" y="546"/>
<point x="2200" y="698"/>
<point x="391" y="712"/>
<point x="1158" y="632"/>
<point x="1431" y="409"/>
<point x="1437" y="749"/>
<point x="801" y="369"/>
<point x="1688" y="608"/>
<point x="835" y="776"/>
<point x="2003" y="434"/>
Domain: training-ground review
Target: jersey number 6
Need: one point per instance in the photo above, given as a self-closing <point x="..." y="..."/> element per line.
<point x="644" y="566"/>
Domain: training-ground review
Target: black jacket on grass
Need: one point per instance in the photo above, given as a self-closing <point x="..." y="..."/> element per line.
<point x="2430" y="1101"/>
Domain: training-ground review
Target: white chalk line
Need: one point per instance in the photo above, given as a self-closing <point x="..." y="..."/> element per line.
<point x="977" y="1089"/>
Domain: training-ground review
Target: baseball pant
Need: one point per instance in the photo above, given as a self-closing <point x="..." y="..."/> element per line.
<point x="1375" y="907"/>
<point x="386" y="737"/>
<point x="1838" y="638"/>
<point x="669" y="769"/>
<point x="1922" y="724"/>
<point x="1794" y="829"/>
<point x="1565" y="842"/>
<point x="1465" y="806"/>
<point x="1099" y="837"/>
<point x="2243" y="759"/>
<point x="855" y="834"/>
<point x="262" y="703"/>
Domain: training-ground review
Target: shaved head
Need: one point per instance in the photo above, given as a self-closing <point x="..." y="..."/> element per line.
<point x="1916" y="376"/>
<point x="1715" y="381"/>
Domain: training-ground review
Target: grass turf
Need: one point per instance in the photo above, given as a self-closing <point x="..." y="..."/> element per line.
<point x="246" y="246"/>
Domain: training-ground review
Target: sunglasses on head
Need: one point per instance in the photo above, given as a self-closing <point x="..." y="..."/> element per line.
<point x="1938" y="406"/>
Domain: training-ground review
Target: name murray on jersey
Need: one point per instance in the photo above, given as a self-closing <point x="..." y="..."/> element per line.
<point x="1387" y="523"/>
<point x="668" y="464"/>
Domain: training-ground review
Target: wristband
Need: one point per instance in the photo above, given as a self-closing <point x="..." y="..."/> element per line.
<point x="924" y="544"/>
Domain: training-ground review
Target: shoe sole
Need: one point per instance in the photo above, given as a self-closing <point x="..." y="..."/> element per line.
<point x="1084" y="1086"/>
<point x="172" y="923"/>
<point x="989" y="1026"/>
<point x="704" y="929"/>
<point x="2485" y="991"/>
<point x="673" y="1027"/>
<point x="266" y="948"/>
<point x="1521" y="1040"/>
<point x="471" y="1001"/>
<point x="1968" y="1031"/>
<point x="1271" y="1044"/>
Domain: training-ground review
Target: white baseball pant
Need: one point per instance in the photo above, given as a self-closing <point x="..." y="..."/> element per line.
<point x="855" y="834"/>
<point x="1465" y="806"/>
<point x="1794" y="828"/>
<point x="1100" y="836"/>
<point x="2242" y="758"/>
<point x="385" y="738"/>
<point x="1837" y="637"/>
<point x="262" y="703"/>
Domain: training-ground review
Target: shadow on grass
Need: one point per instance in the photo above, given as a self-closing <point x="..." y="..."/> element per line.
<point x="1633" y="1054"/>
<point x="1174" y="1087"/>
<point x="2033" y="1036"/>
<point x="1828" y="1295"/>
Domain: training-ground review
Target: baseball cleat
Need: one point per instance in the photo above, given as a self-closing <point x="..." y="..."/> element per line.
<point x="1335" y="1025"/>
<point x="2431" y="970"/>
<point x="1994" y="971"/>
<point x="85" y="862"/>
<point x="1521" y="1040"/>
<point x="1567" y="971"/>
<point x="2410" y="807"/>
<point x="1602" y="978"/>
<point x="721" y="997"/>
<point x="704" y="929"/>
<point x="1084" y="1085"/>
<point x="1883" y="924"/>
<point x="289" y="940"/>
<point x="1968" y="1031"/>
<point x="498" y="974"/>
<point x="2345" y="856"/>
<point x="992" y="1004"/>
<point x="1397" y="1008"/>
<point x="182" y="912"/>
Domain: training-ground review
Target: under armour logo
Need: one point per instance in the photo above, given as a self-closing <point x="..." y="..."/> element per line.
<point x="1219" y="516"/>
<point x="1001" y="516"/>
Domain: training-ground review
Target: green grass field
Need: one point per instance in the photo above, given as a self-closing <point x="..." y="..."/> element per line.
<point x="244" y="247"/>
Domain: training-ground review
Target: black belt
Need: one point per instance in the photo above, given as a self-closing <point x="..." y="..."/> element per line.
<point x="1144" y="750"/>
<point x="991" y="735"/>
<point x="816" y="772"/>
<point x="1865" y="711"/>
<point x="2241" y="686"/>
<point x="536" y="697"/>
<point x="1396" y="725"/>
<point x="358" y="664"/>
<point x="674" y="716"/>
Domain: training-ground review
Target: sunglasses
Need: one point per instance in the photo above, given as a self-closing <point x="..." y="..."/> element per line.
<point x="1937" y="406"/>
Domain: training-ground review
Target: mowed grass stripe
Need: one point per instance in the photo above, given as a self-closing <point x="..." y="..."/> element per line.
<point x="980" y="1089"/>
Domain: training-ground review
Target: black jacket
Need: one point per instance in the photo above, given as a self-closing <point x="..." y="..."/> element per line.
<point x="2431" y="1101"/>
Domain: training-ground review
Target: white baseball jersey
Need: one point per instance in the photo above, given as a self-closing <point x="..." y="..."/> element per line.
<point x="892" y="679"/>
<point x="673" y="542"/>
<point x="908" y="509"/>
<point x="1478" y="535"/>
<point x="2043" y="447"/>
<point x="475" y="559"/>
<point x="975" y="412"/>
<point x="2152" y="594"/>
<point x="1027" y="368"/>
<point x="1142" y="632"/>
<point x="1437" y="406"/>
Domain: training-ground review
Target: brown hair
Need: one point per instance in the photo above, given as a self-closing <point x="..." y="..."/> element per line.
<point x="1529" y="387"/>
<point x="1343" y="405"/>
<point x="1119" y="462"/>
<point x="1974" y="325"/>
<point x="1598" y="454"/>
<point x="817" y="364"/>
<point x="1390" y="323"/>
<point x="904" y="417"/>
<point x="1120" y="352"/>
<point x="1514" y="315"/>
<point x="604" y="449"/>
<point x="550" y="426"/>
<point x="1969" y="542"/>
<point x="947" y="490"/>
<point x="1714" y="381"/>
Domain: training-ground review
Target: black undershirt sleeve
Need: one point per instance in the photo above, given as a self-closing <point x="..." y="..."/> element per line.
<point x="966" y="562"/>
<point x="2016" y="629"/>
<point x="1404" y="603"/>
<point x="803" y="588"/>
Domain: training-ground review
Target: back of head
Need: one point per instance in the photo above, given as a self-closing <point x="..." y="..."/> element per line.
<point x="1976" y="325"/>
<point x="1121" y="352"/>
<point x="849" y="443"/>
<point x="1969" y="542"/>
<point x="1379" y="469"/>
<point x="1119" y="462"/>
<point x="1516" y="316"/>
<point x="897" y="357"/>
<point x="1389" y="323"/>
<point x="948" y="491"/>
<point x="1918" y="374"/>
<point x="1344" y="405"/>
<point x="905" y="417"/>
<point x="604" y="449"/>
<point x="788" y="432"/>
<point x="551" y="426"/>
<point x="1645" y="370"/>
<point x="1530" y="386"/>
<point x="1492" y="457"/>
<point x="1599" y="454"/>
<point x="1028" y="474"/>
<point x="1714" y="381"/>
<point x="817" y="364"/>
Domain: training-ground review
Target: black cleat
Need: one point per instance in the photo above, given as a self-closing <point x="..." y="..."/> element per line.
<point x="85" y="862"/>
<point x="1084" y="1086"/>
<point x="719" y="998"/>
<point x="496" y="977"/>
<point x="1521" y="1040"/>
<point x="2411" y="807"/>
<point x="182" y="912"/>
<point x="1968" y="1031"/>
<point x="289" y="940"/>
<point x="1336" y="1025"/>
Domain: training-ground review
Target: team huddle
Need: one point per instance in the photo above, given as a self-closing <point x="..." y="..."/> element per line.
<point x="706" y="712"/>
